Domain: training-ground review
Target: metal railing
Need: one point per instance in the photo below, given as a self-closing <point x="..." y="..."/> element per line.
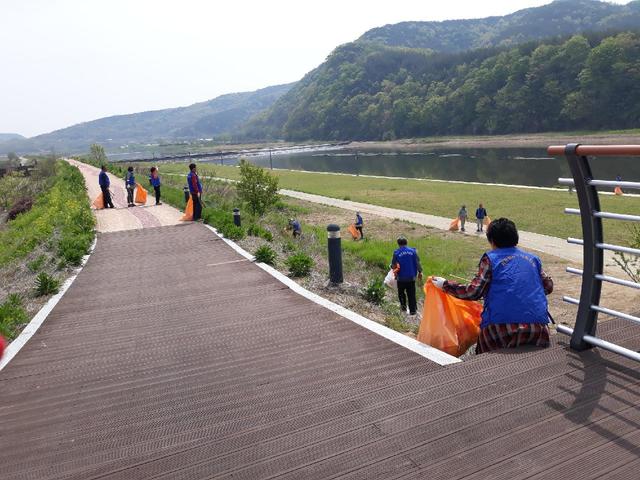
<point x="583" y="335"/>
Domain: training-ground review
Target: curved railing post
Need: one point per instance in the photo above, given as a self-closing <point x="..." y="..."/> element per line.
<point x="593" y="258"/>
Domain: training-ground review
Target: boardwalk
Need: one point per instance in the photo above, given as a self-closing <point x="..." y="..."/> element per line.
<point x="173" y="357"/>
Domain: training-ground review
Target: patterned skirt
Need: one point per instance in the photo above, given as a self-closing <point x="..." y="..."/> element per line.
<point x="512" y="335"/>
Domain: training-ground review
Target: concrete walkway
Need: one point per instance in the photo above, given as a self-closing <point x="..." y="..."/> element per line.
<point x="123" y="218"/>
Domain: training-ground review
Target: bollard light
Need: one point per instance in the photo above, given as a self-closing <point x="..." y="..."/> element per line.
<point x="236" y="217"/>
<point x="335" y="254"/>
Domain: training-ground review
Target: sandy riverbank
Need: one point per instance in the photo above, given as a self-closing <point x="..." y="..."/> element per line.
<point x="538" y="140"/>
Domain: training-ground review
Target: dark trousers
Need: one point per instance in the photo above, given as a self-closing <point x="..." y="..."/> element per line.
<point x="407" y="289"/>
<point x="360" y="230"/>
<point x="197" y="206"/>
<point x="130" y="196"/>
<point x="106" y="197"/>
<point x="157" y="190"/>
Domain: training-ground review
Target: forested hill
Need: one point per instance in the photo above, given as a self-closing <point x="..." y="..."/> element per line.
<point x="9" y="136"/>
<point x="201" y="120"/>
<point x="560" y="18"/>
<point x="369" y="92"/>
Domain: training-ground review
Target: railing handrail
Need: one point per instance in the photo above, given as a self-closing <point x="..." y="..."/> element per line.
<point x="600" y="150"/>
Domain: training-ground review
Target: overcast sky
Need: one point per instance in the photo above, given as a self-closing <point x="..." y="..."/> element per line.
<point x="69" y="61"/>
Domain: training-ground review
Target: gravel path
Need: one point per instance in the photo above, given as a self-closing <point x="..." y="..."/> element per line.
<point x="123" y="218"/>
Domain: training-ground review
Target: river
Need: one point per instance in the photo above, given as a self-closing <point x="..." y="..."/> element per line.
<point x="515" y="166"/>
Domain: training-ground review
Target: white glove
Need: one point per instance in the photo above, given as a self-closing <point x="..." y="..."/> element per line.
<point x="438" y="282"/>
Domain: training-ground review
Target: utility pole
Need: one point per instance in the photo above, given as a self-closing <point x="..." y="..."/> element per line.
<point x="270" y="160"/>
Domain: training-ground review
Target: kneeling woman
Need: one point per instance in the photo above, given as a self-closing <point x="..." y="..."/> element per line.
<point x="513" y="286"/>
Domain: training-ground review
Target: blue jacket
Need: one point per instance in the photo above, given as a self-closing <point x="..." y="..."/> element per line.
<point x="409" y="262"/>
<point x="481" y="213"/>
<point x="103" y="179"/>
<point x="130" y="180"/>
<point x="154" y="181"/>
<point x="516" y="293"/>
<point x="358" y="220"/>
<point x="296" y="226"/>
<point x="194" y="183"/>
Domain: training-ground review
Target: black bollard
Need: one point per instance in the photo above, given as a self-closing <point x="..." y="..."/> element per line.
<point x="335" y="254"/>
<point x="236" y="217"/>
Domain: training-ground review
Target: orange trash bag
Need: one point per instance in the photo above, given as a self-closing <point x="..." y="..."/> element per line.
<point x="486" y="221"/>
<point x="454" y="226"/>
<point x="98" y="202"/>
<point x="354" y="233"/>
<point x="618" y="191"/>
<point x="448" y="323"/>
<point x="141" y="194"/>
<point x="188" y="212"/>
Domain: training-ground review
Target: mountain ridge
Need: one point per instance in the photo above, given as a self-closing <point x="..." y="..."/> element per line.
<point x="202" y="119"/>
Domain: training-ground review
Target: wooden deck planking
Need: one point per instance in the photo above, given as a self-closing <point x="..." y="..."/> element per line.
<point x="216" y="370"/>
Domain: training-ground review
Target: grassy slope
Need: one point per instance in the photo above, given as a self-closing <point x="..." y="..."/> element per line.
<point x="54" y="234"/>
<point x="539" y="211"/>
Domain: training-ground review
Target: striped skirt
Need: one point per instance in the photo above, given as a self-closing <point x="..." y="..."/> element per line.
<point x="512" y="335"/>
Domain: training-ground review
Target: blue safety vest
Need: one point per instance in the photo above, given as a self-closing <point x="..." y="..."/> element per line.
<point x="516" y="293"/>
<point x="407" y="257"/>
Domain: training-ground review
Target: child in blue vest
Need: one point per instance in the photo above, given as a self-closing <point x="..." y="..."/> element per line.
<point x="513" y="286"/>
<point x="406" y="263"/>
<point x="154" y="180"/>
<point x="130" y="185"/>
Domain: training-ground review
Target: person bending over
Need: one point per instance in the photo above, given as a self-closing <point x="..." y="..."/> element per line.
<point x="514" y="287"/>
<point x="359" y="224"/>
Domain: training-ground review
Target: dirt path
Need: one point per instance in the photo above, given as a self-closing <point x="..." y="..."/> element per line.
<point x="123" y="218"/>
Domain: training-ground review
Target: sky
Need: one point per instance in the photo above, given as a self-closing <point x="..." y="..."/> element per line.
<point x="68" y="61"/>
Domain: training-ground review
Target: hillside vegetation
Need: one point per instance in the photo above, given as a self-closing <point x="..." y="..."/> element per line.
<point x="560" y="18"/>
<point x="370" y="92"/>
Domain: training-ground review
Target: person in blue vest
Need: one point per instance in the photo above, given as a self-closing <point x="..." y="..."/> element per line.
<point x="104" y="182"/>
<point x="481" y="213"/>
<point x="359" y="225"/>
<point x="195" y="188"/>
<point x="295" y="227"/>
<point x="406" y="264"/>
<point x="514" y="287"/>
<point x="130" y="185"/>
<point x="154" y="180"/>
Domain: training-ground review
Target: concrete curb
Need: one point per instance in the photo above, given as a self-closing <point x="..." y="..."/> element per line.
<point x="426" y="351"/>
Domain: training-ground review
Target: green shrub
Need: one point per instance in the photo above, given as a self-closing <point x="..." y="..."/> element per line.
<point x="299" y="264"/>
<point x="265" y="254"/>
<point x="73" y="248"/>
<point x="374" y="291"/>
<point x="289" y="246"/>
<point x="231" y="231"/>
<point x="254" y="230"/>
<point x="257" y="187"/>
<point x="46" y="284"/>
<point x="12" y="315"/>
<point x="37" y="264"/>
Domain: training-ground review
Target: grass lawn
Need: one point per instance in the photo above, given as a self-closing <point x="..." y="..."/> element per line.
<point x="539" y="211"/>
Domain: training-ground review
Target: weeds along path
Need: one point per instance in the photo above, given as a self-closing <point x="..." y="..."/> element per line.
<point x="123" y="218"/>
